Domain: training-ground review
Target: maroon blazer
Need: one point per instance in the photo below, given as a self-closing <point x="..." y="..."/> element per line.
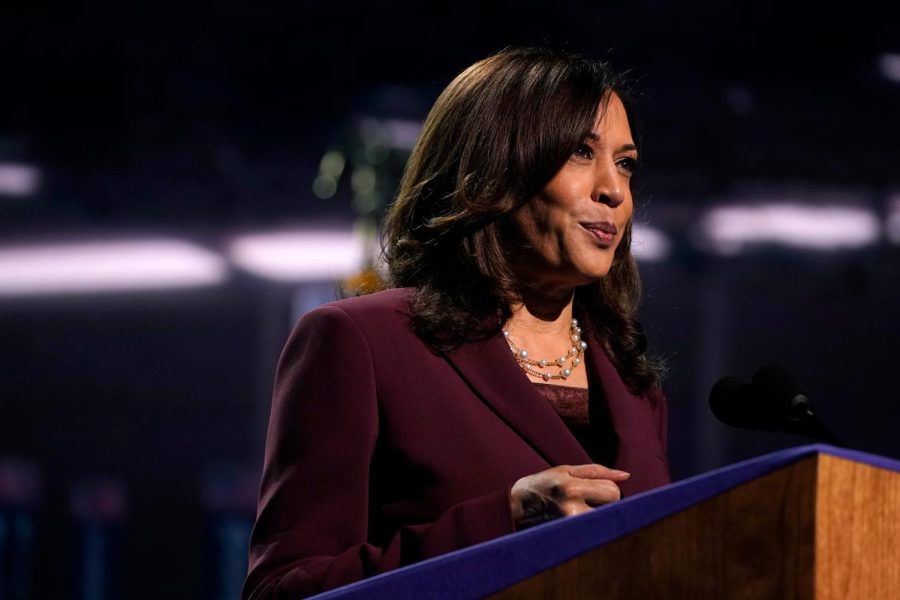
<point x="381" y="453"/>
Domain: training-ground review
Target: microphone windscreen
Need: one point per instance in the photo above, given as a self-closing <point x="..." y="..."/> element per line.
<point x="777" y="382"/>
<point x="728" y="402"/>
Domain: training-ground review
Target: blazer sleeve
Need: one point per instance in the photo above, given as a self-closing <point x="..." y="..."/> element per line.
<point x="313" y="515"/>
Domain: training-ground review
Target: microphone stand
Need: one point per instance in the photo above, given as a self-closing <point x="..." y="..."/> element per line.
<point x="802" y="420"/>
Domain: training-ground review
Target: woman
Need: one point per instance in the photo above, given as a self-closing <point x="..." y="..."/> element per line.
<point x="502" y="381"/>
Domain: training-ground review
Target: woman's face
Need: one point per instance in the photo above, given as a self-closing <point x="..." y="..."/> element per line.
<point x="572" y="227"/>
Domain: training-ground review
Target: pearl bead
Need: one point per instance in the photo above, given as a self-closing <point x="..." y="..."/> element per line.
<point x="583" y="345"/>
<point x="565" y="373"/>
<point x="505" y="333"/>
<point x="576" y="361"/>
<point x="546" y="376"/>
<point x="574" y="322"/>
<point x="561" y="361"/>
<point x="544" y="362"/>
<point x="523" y="353"/>
<point x="578" y="330"/>
<point x="573" y="350"/>
<point x="576" y="338"/>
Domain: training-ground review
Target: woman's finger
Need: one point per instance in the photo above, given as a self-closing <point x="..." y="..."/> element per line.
<point x="594" y="471"/>
<point x="594" y="492"/>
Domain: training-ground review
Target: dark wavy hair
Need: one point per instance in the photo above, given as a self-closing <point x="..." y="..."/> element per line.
<point x="495" y="137"/>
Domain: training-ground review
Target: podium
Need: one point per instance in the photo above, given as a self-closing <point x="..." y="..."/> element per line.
<point x="808" y="522"/>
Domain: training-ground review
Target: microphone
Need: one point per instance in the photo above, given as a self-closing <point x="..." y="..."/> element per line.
<point x="772" y="401"/>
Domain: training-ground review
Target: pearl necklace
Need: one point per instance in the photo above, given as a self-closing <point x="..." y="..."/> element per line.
<point x="531" y="366"/>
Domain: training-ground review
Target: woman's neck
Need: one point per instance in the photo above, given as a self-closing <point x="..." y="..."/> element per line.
<point x="542" y="316"/>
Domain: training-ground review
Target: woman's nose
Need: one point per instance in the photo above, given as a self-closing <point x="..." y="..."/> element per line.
<point x="609" y="186"/>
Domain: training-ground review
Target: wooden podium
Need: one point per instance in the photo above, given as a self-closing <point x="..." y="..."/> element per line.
<point x="808" y="522"/>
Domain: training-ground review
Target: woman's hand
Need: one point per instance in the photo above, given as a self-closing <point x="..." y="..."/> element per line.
<point x="562" y="492"/>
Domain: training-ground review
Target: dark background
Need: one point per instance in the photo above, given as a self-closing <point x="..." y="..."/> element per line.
<point x="200" y="121"/>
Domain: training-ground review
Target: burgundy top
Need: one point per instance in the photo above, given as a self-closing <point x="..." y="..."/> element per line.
<point x="570" y="403"/>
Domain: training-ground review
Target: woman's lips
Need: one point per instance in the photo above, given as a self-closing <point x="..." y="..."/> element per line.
<point x="603" y="232"/>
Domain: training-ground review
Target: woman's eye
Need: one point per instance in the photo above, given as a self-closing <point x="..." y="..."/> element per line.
<point x="627" y="164"/>
<point x="584" y="151"/>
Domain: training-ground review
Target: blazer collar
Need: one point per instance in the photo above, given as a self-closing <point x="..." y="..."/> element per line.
<point x="494" y="375"/>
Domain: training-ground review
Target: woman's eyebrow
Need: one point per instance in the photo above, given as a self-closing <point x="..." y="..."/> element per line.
<point x="595" y="137"/>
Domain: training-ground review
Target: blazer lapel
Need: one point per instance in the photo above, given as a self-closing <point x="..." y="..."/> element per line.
<point x="619" y="400"/>
<point x="638" y="441"/>
<point x="494" y="375"/>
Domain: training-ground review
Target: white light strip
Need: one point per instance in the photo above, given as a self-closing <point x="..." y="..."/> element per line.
<point x="728" y="230"/>
<point x="89" y="267"/>
<point x="19" y="180"/>
<point x="649" y="244"/>
<point x="294" y="256"/>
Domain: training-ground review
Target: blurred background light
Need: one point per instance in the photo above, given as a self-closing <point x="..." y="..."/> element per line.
<point x="331" y="167"/>
<point x="649" y="244"/>
<point x="324" y="186"/>
<point x="106" y="266"/>
<point x="892" y="224"/>
<point x="889" y="66"/>
<point x="399" y="134"/>
<point x="19" y="180"/>
<point x="332" y="164"/>
<point x="363" y="180"/>
<point x="730" y="229"/>
<point x="299" y="255"/>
